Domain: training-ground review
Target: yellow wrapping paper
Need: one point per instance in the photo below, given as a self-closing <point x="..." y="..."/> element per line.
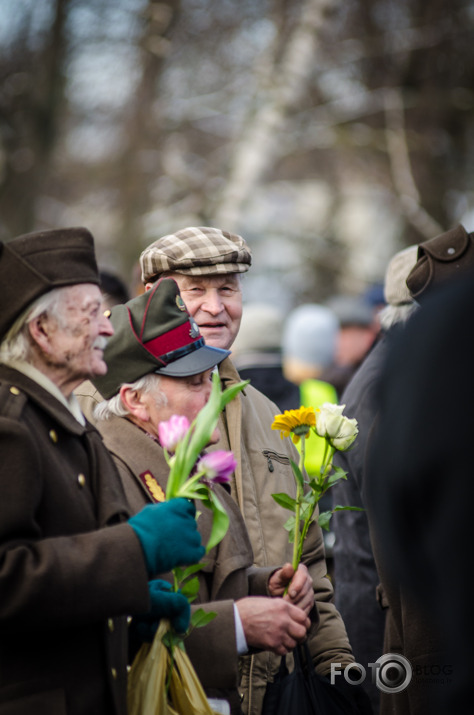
<point x="147" y="678"/>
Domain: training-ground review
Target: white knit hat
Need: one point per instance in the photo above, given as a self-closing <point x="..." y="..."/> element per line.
<point x="309" y="335"/>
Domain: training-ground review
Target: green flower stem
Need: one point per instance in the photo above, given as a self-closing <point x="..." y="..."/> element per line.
<point x="187" y="488"/>
<point x="299" y="497"/>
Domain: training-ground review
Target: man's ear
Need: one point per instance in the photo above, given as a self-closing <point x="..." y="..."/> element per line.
<point x="148" y="286"/>
<point x="133" y="402"/>
<point x="40" y="330"/>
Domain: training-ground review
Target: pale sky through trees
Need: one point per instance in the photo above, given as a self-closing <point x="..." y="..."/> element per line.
<point x="329" y="134"/>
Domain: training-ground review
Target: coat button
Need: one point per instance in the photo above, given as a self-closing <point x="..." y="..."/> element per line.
<point x="450" y="251"/>
<point x="114" y="673"/>
<point x="14" y="390"/>
<point x="53" y="436"/>
<point x="81" y="480"/>
<point x="129" y="620"/>
<point x="111" y="624"/>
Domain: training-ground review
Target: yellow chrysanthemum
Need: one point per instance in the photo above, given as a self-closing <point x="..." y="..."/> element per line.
<point x="295" y="422"/>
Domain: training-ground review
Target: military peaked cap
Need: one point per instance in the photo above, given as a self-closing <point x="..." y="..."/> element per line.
<point x="154" y="333"/>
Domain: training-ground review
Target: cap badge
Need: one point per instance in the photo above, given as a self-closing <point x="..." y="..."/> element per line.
<point x="180" y="303"/>
<point x="194" y="332"/>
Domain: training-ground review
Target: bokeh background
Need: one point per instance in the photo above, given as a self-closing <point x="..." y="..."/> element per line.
<point x="330" y="133"/>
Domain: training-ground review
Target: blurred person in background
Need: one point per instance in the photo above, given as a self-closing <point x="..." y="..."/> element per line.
<point x="257" y="354"/>
<point x="418" y="484"/>
<point x="114" y="290"/>
<point x="358" y="331"/>
<point x="422" y="508"/>
<point x="359" y="598"/>
<point x="308" y="346"/>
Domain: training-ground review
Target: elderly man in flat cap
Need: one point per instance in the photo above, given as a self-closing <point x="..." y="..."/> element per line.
<point x="207" y="264"/>
<point x="159" y="366"/>
<point x="72" y="565"/>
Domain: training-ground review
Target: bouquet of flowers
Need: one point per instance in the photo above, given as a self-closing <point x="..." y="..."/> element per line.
<point x="192" y="475"/>
<point x="339" y="433"/>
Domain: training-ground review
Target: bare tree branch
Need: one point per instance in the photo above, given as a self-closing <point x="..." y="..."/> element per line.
<point x="403" y="180"/>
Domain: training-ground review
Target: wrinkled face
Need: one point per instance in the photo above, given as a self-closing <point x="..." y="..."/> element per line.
<point x="185" y="396"/>
<point x="77" y="339"/>
<point x="215" y="302"/>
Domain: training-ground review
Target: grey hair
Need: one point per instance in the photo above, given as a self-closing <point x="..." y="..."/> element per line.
<point x="394" y="314"/>
<point x="16" y="345"/>
<point x="114" y="407"/>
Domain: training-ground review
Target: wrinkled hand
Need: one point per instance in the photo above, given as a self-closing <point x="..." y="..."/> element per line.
<point x="272" y="623"/>
<point x="300" y="591"/>
<point x="168" y="535"/>
<point x="165" y="603"/>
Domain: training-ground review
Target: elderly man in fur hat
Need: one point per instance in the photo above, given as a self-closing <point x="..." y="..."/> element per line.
<point x="72" y="565"/>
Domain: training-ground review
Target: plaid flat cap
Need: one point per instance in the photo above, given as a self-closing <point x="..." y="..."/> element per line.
<point x="195" y="251"/>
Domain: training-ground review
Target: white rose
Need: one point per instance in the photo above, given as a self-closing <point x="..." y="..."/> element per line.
<point x="331" y="424"/>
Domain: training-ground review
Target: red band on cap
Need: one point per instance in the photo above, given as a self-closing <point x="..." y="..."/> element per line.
<point x="172" y="340"/>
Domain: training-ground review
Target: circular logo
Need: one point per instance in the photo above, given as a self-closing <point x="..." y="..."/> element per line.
<point x="393" y="674"/>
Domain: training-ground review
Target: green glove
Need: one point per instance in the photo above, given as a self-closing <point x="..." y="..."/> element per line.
<point x="164" y="604"/>
<point x="168" y="535"/>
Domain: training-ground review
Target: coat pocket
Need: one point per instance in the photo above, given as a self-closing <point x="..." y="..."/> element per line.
<point x="271" y="456"/>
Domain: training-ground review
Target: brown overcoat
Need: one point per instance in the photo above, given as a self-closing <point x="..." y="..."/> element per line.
<point x="70" y="568"/>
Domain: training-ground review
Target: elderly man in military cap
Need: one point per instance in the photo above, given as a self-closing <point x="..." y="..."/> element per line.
<point x="72" y="564"/>
<point x="207" y="263"/>
<point x="159" y="366"/>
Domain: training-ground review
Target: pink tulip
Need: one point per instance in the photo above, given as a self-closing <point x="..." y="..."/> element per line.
<point x="217" y="466"/>
<point x="170" y="433"/>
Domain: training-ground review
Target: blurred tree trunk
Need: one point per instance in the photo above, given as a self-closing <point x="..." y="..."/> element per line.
<point x="31" y="107"/>
<point x="139" y="160"/>
<point x="280" y="87"/>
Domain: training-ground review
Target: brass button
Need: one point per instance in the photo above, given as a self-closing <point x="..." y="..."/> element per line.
<point x="14" y="390"/>
<point x="129" y="667"/>
<point x="82" y="480"/>
<point x="114" y="673"/>
<point x="111" y="625"/>
<point x="129" y="620"/>
<point x="53" y="436"/>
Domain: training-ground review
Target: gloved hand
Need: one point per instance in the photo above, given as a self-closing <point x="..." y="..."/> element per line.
<point x="168" y="535"/>
<point x="164" y="604"/>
